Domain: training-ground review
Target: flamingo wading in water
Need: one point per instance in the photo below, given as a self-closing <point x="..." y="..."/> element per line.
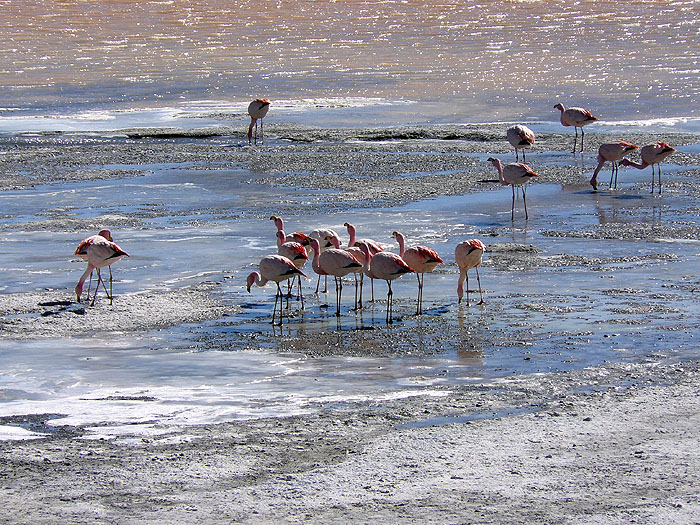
<point x="611" y="152"/>
<point x="468" y="255"/>
<point x="373" y="247"/>
<point x="81" y="251"/>
<point x="295" y="252"/>
<point x="520" y="137"/>
<point x="576" y="117"/>
<point x="277" y="269"/>
<point x="100" y="253"/>
<point x="514" y="174"/>
<point x="422" y="259"/>
<point x="257" y="111"/>
<point x="386" y="266"/>
<point x="335" y="262"/>
<point x="652" y="154"/>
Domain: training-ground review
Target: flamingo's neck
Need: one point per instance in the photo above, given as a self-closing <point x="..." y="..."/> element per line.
<point x="400" y="240"/>
<point x="281" y="237"/>
<point x="499" y="167"/>
<point x="601" y="161"/>
<point x="641" y="166"/>
<point x="351" y="233"/>
<point x="460" y="284"/>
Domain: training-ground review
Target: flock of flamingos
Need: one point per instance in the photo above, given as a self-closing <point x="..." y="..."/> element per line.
<point x="365" y="257"/>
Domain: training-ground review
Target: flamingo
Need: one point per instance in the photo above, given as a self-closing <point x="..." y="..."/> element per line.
<point x="652" y="154"/>
<point x="323" y="236"/>
<point x="387" y="266"/>
<point x="257" y="110"/>
<point x="335" y="262"/>
<point x="576" y="117"/>
<point x="611" y="152"/>
<point x="296" y="253"/>
<point x="356" y="252"/>
<point x="520" y="137"/>
<point x="468" y="255"/>
<point x="274" y="268"/>
<point x="422" y="259"/>
<point x="81" y="251"/>
<point x="514" y="174"/>
<point x="299" y="237"/>
<point x="373" y="246"/>
<point x="100" y="253"/>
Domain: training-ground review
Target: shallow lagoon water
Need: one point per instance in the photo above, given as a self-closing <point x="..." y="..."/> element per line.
<point x="217" y="229"/>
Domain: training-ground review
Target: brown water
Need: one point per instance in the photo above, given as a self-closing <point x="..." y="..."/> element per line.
<point x="459" y="60"/>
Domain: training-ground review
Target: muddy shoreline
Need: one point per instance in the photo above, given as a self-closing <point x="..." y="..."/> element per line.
<point x="606" y="444"/>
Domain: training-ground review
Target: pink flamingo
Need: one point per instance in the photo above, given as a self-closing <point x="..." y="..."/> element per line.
<point x="323" y="236"/>
<point x="277" y="269"/>
<point x="468" y="255"/>
<point x="81" y="251"/>
<point x="100" y="253"/>
<point x="520" y="137"/>
<point x="372" y="246"/>
<point x="299" y="237"/>
<point x="652" y="154"/>
<point x="296" y="253"/>
<point x="257" y="110"/>
<point x="387" y="266"/>
<point x="335" y="262"/>
<point x="356" y="252"/>
<point x="514" y="174"/>
<point x="422" y="259"/>
<point x="576" y="117"/>
<point x="611" y="152"/>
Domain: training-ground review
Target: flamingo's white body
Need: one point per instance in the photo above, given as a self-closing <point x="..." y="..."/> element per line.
<point x="100" y="253"/>
<point x="652" y="154"/>
<point x="514" y="174"/>
<point x="257" y="111"/>
<point x="468" y="255"/>
<point x="386" y="266"/>
<point x="81" y="251"/>
<point x="335" y="262"/>
<point x="520" y="137"/>
<point x="576" y="117"/>
<point x="277" y="269"/>
<point x="611" y="152"/>
<point x="421" y="259"/>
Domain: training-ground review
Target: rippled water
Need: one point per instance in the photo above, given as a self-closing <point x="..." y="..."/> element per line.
<point x="457" y="60"/>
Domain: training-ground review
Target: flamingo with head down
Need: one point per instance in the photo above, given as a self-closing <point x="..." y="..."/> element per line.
<point x="468" y="255"/>
<point x="257" y="111"/>
<point x="100" y="253"/>
<point x="277" y="269"/>
<point x="81" y="251"/>
<point x="611" y="152"/>
<point x="652" y="154"/>
<point x="520" y="137"/>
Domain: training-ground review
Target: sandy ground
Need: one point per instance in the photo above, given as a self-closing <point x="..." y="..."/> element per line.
<point x="564" y="448"/>
<point x="611" y="444"/>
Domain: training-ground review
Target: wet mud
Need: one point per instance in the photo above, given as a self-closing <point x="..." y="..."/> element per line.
<point x="606" y="443"/>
